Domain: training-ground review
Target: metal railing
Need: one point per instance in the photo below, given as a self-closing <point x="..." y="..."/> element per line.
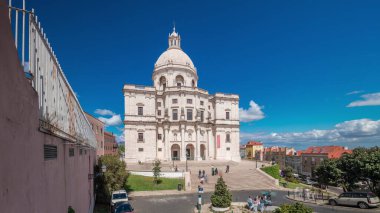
<point x="60" y="111"/>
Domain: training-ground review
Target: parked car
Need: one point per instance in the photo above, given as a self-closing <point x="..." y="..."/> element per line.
<point x="123" y="207"/>
<point x="311" y="182"/>
<point x="363" y="200"/>
<point x="118" y="196"/>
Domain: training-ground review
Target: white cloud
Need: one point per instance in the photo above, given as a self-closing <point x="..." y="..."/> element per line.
<point x="104" y="112"/>
<point x="114" y="120"/>
<point x="348" y="131"/>
<point x="252" y="113"/>
<point x="355" y="92"/>
<point x="120" y="138"/>
<point x="372" y="99"/>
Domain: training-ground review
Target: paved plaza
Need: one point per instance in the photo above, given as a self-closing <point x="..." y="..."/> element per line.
<point x="242" y="175"/>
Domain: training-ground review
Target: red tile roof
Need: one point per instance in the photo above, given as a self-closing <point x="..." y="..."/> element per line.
<point x="331" y="151"/>
<point x="254" y="143"/>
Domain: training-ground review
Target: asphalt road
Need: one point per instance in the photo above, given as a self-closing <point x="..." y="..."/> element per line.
<point x="186" y="203"/>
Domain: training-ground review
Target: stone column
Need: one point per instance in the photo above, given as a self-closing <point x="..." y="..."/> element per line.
<point x="183" y="146"/>
<point x="208" y="141"/>
<point x="198" y="146"/>
<point x="167" y="154"/>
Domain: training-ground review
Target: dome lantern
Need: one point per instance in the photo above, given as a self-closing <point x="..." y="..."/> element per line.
<point x="174" y="40"/>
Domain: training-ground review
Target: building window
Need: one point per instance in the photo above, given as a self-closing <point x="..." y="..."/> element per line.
<point x="189" y="114"/>
<point x="178" y="84"/>
<point x="174" y="101"/>
<point x="227" y="115"/>
<point x="175" y="137"/>
<point x="71" y="152"/>
<point x="228" y="138"/>
<point x="202" y="103"/>
<point x="228" y="148"/>
<point x="81" y="151"/>
<point x="50" y="152"/>
<point x="140" y="111"/>
<point x="159" y="112"/>
<point x="160" y="149"/>
<point x="159" y="104"/>
<point x="189" y="136"/>
<point x="189" y="101"/>
<point x="159" y="136"/>
<point x="141" y="149"/>
<point x="202" y="116"/>
<point x="141" y="137"/>
<point x="175" y="114"/>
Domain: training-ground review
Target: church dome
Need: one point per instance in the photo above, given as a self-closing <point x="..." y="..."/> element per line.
<point x="174" y="55"/>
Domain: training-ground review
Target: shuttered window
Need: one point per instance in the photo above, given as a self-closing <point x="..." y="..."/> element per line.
<point x="50" y="152"/>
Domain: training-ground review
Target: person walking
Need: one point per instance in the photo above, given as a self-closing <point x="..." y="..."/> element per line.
<point x="250" y="203"/>
<point x="203" y="173"/>
<point x="227" y="168"/>
<point x="255" y="204"/>
<point x="212" y="171"/>
<point x="216" y="171"/>
<point x="199" y="174"/>
<point x="262" y="204"/>
<point x="206" y="180"/>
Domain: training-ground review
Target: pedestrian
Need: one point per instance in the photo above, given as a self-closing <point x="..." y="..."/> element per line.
<point x="250" y="203"/>
<point x="212" y="171"/>
<point x="255" y="204"/>
<point x="216" y="171"/>
<point x="206" y="180"/>
<point x="227" y="168"/>
<point x="203" y="173"/>
<point x="176" y="168"/>
<point x="262" y="204"/>
<point x="199" y="174"/>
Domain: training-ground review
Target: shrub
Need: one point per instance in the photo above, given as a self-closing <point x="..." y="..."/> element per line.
<point x="115" y="177"/>
<point x="222" y="197"/>
<point x="273" y="171"/>
<point x="293" y="208"/>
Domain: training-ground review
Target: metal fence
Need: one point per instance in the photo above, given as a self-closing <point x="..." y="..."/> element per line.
<point x="308" y="195"/>
<point x="60" y="111"/>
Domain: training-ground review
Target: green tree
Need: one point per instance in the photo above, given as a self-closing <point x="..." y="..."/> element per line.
<point x="222" y="197"/>
<point x="156" y="171"/>
<point x="121" y="149"/>
<point x="293" y="208"/>
<point x="362" y="165"/>
<point x="114" y="178"/>
<point x="328" y="173"/>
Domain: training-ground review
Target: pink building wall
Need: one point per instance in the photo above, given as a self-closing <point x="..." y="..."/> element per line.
<point x="28" y="183"/>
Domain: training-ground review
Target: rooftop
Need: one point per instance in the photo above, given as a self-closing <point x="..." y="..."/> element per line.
<point x="330" y="151"/>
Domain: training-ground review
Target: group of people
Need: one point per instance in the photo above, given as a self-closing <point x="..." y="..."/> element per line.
<point x="202" y="176"/>
<point x="258" y="203"/>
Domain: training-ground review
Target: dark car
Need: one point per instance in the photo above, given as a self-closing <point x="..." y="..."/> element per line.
<point x="122" y="207"/>
<point x="362" y="200"/>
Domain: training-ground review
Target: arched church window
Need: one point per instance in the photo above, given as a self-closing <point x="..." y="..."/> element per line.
<point x="180" y="81"/>
<point x="162" y="83"/>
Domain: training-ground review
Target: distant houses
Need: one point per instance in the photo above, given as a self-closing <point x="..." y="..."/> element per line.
<point x="302" y="162"/>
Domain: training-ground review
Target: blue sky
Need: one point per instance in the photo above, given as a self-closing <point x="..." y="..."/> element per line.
<point x="298" y="61"/>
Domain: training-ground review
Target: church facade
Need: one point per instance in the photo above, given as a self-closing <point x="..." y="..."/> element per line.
<point x="175" y="119"/>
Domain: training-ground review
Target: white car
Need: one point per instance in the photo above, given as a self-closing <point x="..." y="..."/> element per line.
<point x="118" y="196"/>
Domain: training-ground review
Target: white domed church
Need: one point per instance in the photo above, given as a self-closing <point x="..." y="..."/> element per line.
<point x="175" y="119"/>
